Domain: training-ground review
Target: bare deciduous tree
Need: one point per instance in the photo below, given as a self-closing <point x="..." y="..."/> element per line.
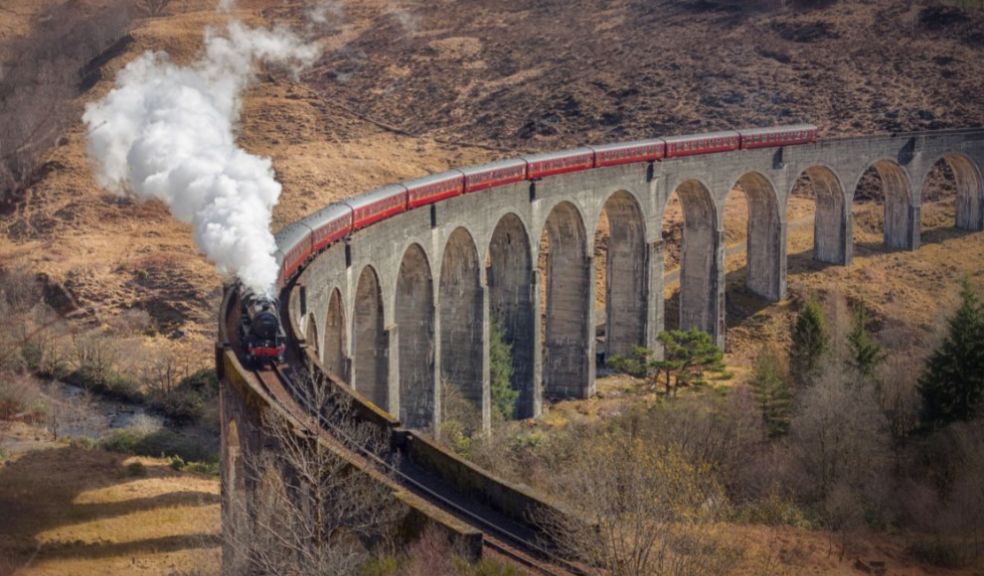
<point x="649" y="510"/>
<point x="153" y="8"/>
<point x="313" y="513"/>
<point x="47" y="70"/>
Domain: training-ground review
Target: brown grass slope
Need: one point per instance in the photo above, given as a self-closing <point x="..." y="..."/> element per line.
<point x="528" y="74"/>
<point x="541" y="74"/>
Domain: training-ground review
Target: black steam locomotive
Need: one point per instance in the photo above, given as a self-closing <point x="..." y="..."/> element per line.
<point x="260" y="333"/>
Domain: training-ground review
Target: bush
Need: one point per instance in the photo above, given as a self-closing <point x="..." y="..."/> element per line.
<point x="106" y="383"/>
<point x="160" y="443"/>
<point x="943" y="552"/>
<point x="504" y="396"/>
<point x="136" y="469"/>
<point x="207" y="468"/>
<point x="181" y="406"/>
<point x="774" y="510"/>
<point x="380" y="566"/>
<point x="186" y="403"/>
<point x="83" y="443"/>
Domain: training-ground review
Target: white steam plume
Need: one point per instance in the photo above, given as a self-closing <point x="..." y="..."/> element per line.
<point x="167" y="132"/>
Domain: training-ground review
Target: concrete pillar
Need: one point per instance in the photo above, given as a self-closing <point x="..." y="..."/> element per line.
<point x="655" y="313"/>
<point x="847" y="236"/>
<point x="391" y="338"/>
<point x="898" y="226"/>
<point x="436" y="387"/>
<point x="716" y="303"/>
<point x="590" y="344"/>
<point x="915" y="234"/>
<point x="486" y="361"/>
<point x="782" y="260"/>
<point x="537" y="343"/>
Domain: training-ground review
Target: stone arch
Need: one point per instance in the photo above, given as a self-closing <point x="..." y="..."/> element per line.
<point x="311" y="334"/>
<point x="831" y="220"/>
<point x="764" y="237"/>
<point x="461" y="323"/>
<point x="568" y="306"/>
<point x="698" y="258"/>
<point x="369" y="340"/>
<point x="969" y="190"/>
<point x="509" y="272"/>
<point x="899" y="227"/>
<point x="333" y="355"/>
<point x="415" y="333"/>
<point x="625" y="274"/>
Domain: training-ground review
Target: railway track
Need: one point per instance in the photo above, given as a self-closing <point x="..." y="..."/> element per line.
<point x="496" y="537"/>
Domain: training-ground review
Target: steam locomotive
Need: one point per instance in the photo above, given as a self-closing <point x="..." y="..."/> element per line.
<point x="261" y="334"/>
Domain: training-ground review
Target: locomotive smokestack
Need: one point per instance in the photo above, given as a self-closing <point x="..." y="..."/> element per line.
<point x="167" y="132"/>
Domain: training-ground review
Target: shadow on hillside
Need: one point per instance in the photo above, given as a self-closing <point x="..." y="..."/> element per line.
<point x="39" y="492"/>
<point x="131" y="549"/>
<point x="927" y="236"/>
<point x="741" y="304"/>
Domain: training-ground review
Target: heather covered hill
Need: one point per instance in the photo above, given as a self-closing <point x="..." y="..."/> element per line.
<point x="537" y="74"/>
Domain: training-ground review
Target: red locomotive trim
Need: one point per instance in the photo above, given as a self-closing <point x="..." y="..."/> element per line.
<point x="331" y="232"/>
<point x="430" y="193"/>
<point x="379" y="210"/>
<point x="563" y="165"/>
<point x="701" y="145"/>
<point x="630" y="155"/>
<point x="493" y="178"/>
<point x="266" y="351"/>
<point x="297" y="256"/>
<point x="778" y="138"/>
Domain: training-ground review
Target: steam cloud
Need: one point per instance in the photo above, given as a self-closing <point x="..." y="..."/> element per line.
<point x="167" y="132"/>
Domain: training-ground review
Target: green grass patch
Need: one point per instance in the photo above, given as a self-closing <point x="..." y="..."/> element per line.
<point x="161" y="443"/>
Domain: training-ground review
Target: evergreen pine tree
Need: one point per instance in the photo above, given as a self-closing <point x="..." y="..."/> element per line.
<point x="770" y="387"/>
<point x="504" y="396"/>
<point x="952" y="384"/>
<point x="865" y="355"/>
<point x="810" y="342"/>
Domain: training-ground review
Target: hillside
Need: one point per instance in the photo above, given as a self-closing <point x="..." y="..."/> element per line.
<point x="459" y="72"/>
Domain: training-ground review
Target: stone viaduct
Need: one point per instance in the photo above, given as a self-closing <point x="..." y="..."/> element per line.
<point x="406" y="306"/>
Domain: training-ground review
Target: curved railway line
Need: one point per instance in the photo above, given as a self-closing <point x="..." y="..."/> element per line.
<point x="502" y="536"/>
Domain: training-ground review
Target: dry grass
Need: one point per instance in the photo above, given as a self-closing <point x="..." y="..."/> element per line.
<point x="73" y="511"/>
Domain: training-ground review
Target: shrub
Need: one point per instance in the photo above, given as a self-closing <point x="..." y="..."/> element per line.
<point x="773" y="510"/>
<point x="84" y="443"/>
<point x="136" y="469"/>
<point x="204" y="382"/>
<point x="380" y="566"/>
<point x="811" y="342"/>
<point x="159" y="443"/>
<point x="942" y="552"/>
<point x="106" y="383"/>
<point x="177" y="463"/>
<point x="770" y="385"/>
<point x="210" y="468"/>
<point x="504" y="396"/>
